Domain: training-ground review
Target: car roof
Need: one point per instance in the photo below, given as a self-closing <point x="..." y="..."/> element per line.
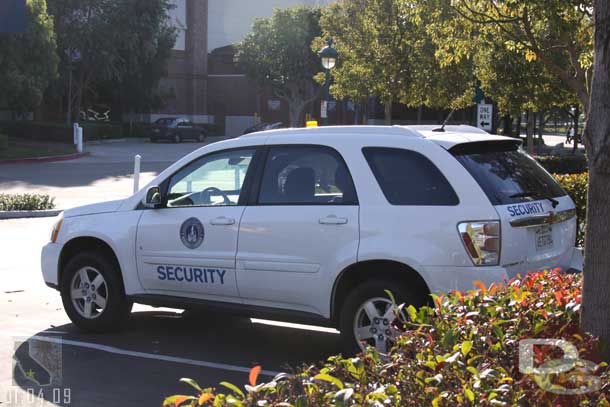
<point x="450" y="137"/>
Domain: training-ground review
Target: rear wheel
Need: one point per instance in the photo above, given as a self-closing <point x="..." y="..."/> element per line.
<point x="368" y="317"/>
<point x="92" y="293"/>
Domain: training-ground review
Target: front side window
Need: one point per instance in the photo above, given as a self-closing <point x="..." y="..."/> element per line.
<point x="213" y="180"/>
<point x="308" y="175"/>
<point x="407" y="178"/>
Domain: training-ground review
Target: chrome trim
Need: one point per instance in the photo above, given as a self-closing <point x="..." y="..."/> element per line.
<point x="541" y="220"/>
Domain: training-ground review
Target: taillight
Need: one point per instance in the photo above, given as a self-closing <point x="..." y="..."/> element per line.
<point x="481" y="241"/>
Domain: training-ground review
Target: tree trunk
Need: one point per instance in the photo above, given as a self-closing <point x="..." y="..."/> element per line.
<point x="387" y="110"/>
<point x="596" y="286"/>
<point x="420" y="112"/>
<point x="508" y="125"/>
<point x="531" y="124"/>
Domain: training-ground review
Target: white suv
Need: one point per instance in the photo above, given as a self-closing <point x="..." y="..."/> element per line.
<point x="313" y="225"/>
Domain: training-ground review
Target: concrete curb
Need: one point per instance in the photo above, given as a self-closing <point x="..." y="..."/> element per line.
<point x="38" y="160"/>
<point x="29" y="214"/>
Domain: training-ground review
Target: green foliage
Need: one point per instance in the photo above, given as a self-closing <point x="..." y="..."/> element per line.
<point x="3" y="141"/>
<point x="577" y="186"/>
<point x="386" y="52"/>
<point x="59" y="132"/>
<point x="26" y="202"/>
<point x="570" y="164"/>
<point x="277" y="54"/>
<point x="28" y="61"/>
<point x="124" y="47"/>
<point x="463" y="352"/>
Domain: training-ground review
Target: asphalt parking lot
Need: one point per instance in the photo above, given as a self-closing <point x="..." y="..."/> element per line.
<point x="143" y="364"/>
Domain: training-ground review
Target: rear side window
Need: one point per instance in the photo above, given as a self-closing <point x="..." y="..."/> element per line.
<point x="408" y="178"/>
<point x="505" y="173"/>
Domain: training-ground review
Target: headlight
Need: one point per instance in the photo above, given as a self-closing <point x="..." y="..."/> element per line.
<point x="56" y="228"/>
<point x="482" y="242"/>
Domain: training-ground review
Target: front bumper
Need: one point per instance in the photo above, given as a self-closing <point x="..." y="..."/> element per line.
<point x="447" y="279"/>
<point x="49" y="260"/>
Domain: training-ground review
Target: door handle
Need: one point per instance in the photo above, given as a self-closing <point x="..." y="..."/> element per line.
<point x="223" y="221"/>
<point x="333" y="220"/>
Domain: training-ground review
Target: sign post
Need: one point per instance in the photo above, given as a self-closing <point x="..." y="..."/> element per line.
<point x="485" y="116"/>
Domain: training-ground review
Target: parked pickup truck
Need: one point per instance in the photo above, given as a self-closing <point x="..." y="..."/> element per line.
<point x="177" y="129"/>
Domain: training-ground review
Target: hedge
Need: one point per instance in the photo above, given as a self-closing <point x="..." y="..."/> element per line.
<point x="463" y="352"/>
<point x="26" y="202"/>
<point x="3" y="141"/>
<point x="59" y="132"/>
<point x="569" y="164"/>
<point x="577" y="186"/>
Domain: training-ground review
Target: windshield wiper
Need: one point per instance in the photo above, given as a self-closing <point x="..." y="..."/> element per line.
<point x="532" y="194"/>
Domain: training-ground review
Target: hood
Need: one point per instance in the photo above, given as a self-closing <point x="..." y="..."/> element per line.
<point x="102" y="207"/>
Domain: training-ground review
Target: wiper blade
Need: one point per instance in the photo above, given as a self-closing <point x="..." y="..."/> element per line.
<point x="532" y="194"/>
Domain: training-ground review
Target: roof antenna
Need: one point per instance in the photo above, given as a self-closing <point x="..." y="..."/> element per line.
<point x="442" y="128"/>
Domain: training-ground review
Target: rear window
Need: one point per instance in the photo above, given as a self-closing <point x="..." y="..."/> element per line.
<point x="407" y="178"/>
<point x="505" y="173"/>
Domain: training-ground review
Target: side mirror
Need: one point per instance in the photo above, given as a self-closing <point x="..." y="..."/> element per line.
<point x="153" y="198"/>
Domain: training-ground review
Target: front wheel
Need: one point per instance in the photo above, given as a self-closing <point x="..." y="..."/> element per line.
<point x="92" y="294"/>
<point x="368" y="317"/>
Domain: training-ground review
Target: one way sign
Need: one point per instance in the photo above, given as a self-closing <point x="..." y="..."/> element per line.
<point x="485" y="114"/>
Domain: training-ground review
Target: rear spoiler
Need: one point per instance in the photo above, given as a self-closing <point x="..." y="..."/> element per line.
<point x="488" y="146"/>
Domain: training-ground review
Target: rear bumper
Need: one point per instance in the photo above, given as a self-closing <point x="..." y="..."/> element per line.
<point x="447" y="279"/>
<point x="49" y="260"/>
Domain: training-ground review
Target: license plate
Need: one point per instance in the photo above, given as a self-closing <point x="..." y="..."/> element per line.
<point x="544" y="239"/>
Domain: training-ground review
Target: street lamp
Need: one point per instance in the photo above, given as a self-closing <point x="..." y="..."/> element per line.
<point x="328" y="56"/>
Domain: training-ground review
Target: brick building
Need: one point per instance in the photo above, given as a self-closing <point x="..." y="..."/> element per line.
<point x="202" y="81"/>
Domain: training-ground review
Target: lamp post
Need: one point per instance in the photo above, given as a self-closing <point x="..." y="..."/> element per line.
<point x="328" y="56"/>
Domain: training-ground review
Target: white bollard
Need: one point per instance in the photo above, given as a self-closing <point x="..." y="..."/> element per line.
<point x="75" y="127"/>
<point x="136" y="173"/>
<point x="79" y="140"/>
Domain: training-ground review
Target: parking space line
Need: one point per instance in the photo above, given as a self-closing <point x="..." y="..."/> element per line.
<point x="142" y="355"/>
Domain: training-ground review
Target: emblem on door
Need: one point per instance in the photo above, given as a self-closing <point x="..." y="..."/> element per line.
<point x="192" y="233"/>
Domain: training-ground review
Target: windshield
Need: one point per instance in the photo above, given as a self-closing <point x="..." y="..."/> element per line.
<point x="506" y="174"/>
<point x="165" y="121"/>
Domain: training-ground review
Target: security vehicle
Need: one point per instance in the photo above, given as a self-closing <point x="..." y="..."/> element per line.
<point x="313" y="226"/>
<point x="177" y="129"/>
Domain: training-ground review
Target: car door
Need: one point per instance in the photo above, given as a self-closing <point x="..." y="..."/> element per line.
<point x="187" y="248"/>
<point x="300" y="231"/>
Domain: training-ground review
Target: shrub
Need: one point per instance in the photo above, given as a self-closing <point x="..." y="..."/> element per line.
<point x="463" y="352"/>
<point x="577" y="185"/>
<point x="570" y="164"/>
<point x="59" y="132"/>
<point x="3" y="141"/>
<point x="26" y="202"/>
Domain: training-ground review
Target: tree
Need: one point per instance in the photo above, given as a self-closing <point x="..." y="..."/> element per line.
<point x="387" y="53"/>
<point x="596" y="285"/>
<point x="28" y="61"/>
<point x="560" y="35"/>
<point x="120" y="45"/>
<point x="277" y="54"/>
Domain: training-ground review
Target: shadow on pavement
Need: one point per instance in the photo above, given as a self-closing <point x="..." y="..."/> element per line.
<point x="89" y="376"/>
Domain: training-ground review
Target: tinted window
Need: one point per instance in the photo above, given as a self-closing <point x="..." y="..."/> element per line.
<point x="213" y="180"/>
<point x="306" y="176"/>
<point x="506" y="173"/>
<point x="409" y="178"/>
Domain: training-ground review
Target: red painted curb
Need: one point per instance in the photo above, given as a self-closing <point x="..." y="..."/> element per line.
<point x="36" y="160"/>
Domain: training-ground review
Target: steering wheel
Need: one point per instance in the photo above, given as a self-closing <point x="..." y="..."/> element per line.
<point x="206" y="195"/>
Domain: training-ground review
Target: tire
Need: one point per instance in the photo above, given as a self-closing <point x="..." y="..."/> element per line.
<point x="351" y="314"/>
<point x="202" y="138"/>
<point x="94" y="318"/>
<point x="176" y="138"/>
